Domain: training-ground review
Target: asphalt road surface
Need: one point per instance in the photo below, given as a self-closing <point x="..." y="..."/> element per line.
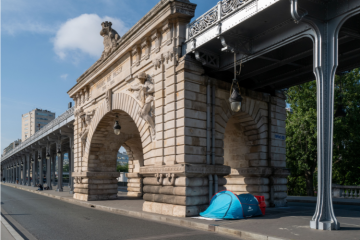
<point x="39" y="217"/>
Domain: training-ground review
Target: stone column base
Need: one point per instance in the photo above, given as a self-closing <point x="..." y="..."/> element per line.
<point x="92" y="186"/>
<point x="94" y="197"/>
<point x="173" y="210"/>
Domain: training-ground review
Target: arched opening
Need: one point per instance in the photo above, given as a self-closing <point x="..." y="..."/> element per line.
<point x="245" y="149"/>
<point x="103" y="150"/>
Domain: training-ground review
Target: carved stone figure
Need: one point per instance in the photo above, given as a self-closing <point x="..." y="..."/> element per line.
<point x="85" y="124"/>
<point x="111" y="38"/>
<point x="144" y="92"/>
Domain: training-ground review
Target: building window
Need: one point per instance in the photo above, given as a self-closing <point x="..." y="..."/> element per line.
<point x="26" y="124"/>
<point x="26" y="120"/>
<point x="26" y="133"/>
<point x="26" y="116"/>
<point x="43" y="114"/>
<point x="26" y="128"/>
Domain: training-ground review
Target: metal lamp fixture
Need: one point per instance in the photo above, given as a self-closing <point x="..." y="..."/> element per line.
<point x="32" y="160"/>
<point x="58" y="152"/>
<point x="48" y="156"/>
<point x="117" y="127"/>
<point x="39" y="158"/>
<point x="235" y="97"/>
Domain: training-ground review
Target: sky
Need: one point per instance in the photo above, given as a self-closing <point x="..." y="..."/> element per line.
<point x="46" y="45"/>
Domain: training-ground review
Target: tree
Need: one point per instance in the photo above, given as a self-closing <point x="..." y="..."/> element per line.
<point x="66" y="168"/>
<point x="346" y="162"/>
<point x="301" y="130"/>
<point x="301" y="138"/>
<point x="122" y="168"/>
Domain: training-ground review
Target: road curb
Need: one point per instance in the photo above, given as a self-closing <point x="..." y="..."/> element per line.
<point x="156" y="217"/>
<point x="11" y="230"/>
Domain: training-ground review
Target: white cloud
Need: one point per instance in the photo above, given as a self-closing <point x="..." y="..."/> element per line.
<point x="82" y="34"/>
<point x="64" y="76"/>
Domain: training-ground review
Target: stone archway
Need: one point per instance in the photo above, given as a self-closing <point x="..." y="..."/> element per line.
<point x="97" y="178"/>
<point x="246" y="141"/>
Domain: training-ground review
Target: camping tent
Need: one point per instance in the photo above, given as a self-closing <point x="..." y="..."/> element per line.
<point x="227" y="205"/>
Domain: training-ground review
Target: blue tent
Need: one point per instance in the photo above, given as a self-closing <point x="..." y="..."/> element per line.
<point x="227" y="205"/>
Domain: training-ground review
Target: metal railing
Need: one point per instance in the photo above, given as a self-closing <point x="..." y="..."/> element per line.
<point x="214" y="15"/>
<point x="340" y="191"/>
<point x="68" y="113"/>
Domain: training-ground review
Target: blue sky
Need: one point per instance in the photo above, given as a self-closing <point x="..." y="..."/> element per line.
<point x="46" y="45"/>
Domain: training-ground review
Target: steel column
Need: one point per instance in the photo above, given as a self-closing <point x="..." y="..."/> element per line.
<point x="60" y="172"/>
<point x="28" y="158"/>
<point x="34" y="169"/>
<point x="48" y="168"/>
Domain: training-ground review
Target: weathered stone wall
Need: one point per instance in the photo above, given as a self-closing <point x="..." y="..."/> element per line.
<point x="246" y="144"/>
<point x="178" y="157"/>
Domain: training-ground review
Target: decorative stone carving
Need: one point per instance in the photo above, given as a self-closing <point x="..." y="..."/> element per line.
<point x="111" y="39"/>
<point x="86" y="89"/>
<point x="78" y="180"/>
<point x="169" y="56"/>
<point x="108" y="98"/>
<point x="145" y="48"/>
<point x="85" y="124"/>
<point x="167" y="31"/>
<point x="171" y="178"/>
<point x="156" y="63"/>
<point x="78" y="112"/>
<point x="136" y="53"/>
<point x="155" y="37"/>
<point x="144" y="92"/>
<point x="159" y="178"/>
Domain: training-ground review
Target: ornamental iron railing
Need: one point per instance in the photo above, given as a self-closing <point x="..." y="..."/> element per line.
<point x="67" y="114"/>
<point x="214" y="15"/>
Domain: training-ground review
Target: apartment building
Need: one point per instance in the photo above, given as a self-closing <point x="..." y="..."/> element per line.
<point x="33" y="121"/>
<point x="11" y="146"/>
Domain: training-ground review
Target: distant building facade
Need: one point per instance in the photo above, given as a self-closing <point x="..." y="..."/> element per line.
<point x="122" y="158"/>
<point x="11" y="146"/>
<point x="33" y="121"/>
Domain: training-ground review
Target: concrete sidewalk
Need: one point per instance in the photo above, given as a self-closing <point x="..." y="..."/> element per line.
<point x="290" y="222"/>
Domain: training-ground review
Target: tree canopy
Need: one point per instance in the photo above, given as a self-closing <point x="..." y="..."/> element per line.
<point x="301" y="131"/>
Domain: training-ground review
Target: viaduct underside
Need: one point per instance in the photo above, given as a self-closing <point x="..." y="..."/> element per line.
<point x="167" y="84"/>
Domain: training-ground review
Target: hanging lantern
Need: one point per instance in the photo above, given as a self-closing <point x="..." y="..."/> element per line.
<point x="39" y="158"/>
<point x="58" y="152"/>
<point x="48" y="156"/>
<point x="117" y="127"/>
<point x="32" y="160"/>
<point x="235" y="97"/>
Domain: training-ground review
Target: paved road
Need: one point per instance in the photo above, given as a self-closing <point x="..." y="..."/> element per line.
<point x="47" y="218"/>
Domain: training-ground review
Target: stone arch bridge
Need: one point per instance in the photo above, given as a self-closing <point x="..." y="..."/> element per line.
<point x="167" y="83"/>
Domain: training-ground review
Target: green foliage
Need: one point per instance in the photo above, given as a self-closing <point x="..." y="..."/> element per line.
<point x="301" y="131"/>
<point x="346" y="162"/>
<point x="301" y="138"/>
<point x="122" y="168"/>
<point x="66" y="168"/>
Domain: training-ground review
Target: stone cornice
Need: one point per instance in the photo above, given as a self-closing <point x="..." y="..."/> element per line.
<point x="144" y="26"/>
